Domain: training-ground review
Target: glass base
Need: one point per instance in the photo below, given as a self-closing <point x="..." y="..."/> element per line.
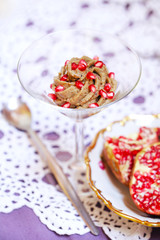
<point x="78" y="165"/>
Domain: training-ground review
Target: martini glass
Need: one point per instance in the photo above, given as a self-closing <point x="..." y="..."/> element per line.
<point x="43" y="59"/>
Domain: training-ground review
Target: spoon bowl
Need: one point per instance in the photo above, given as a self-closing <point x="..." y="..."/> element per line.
<point x="18" y="114"/>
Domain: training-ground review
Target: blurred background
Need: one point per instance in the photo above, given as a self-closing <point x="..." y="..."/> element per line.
<point x="137" y="22"/>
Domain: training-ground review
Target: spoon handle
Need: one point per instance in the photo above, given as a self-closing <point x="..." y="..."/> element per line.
<point x="63" y="181"/>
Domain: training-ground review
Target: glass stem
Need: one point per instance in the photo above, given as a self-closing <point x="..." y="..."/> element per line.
<point x="79" y="141"/>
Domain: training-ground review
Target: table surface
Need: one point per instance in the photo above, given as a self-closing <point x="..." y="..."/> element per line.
<point x="138" y="22"/>
<point x="22" y="224"/>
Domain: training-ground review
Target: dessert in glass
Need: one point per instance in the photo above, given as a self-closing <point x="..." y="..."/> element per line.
<point x="83" y="83"/>
<point x="79" y="73"/>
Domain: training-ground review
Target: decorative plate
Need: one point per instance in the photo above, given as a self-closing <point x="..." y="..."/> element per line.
<point x="107" y="188"/>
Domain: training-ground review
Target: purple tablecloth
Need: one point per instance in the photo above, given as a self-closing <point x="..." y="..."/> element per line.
<point x="23" y="224"/>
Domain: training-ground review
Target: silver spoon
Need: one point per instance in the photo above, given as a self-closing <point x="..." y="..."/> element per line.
<point x="18" y="114"/>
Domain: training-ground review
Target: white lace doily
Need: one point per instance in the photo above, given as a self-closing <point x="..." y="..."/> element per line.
<point x="24" y="177"/>
<point x="25" y="180"/>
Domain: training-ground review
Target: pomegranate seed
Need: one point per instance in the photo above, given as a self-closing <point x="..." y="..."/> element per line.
<point x="107" y="87"/>
<point x="110" y="95"/>
<point x="108" y="139"/>
<point x="111" y="75"/>
<point x="66" y="105"/>
<point x="96" y="58"/>
<point x="74" y="66"/>
<point x="90" y="75"/>
<point x="52" y="96"/>
<point x="101" y="165"/>
<point x="79" y="84"/>
<point x="99" y="64"/>
<point x="66" y="62"/>
<point x="82" y="61"/>
<point x="64" y="77"/>
<point x="102" y="93"/>
<point x="59" y="88"/>
<point x="82" y="67"/>
<point x="51" y="85"/>
<point x="92" y="88"/>
<point x="93" y="105"/>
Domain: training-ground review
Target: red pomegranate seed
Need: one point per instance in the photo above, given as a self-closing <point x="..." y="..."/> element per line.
<point x="79" y="84"/>
<point x="96" y="58"/>
<point x="82" y="67"/>
<point x="82" y="61"/>
<point x="102" y="93"/>
<point x="111" y="75"/>
<point x="74" y="66"/>
<point x="99" y="64"/>
<point x="110" y="95"/>
<point x="107" y="87"/>
<point x="93" y="105"/>
<point x="52" y="96"/>
<point x="64" y="77"/>
<point x="92" y="88"/>
<point x="90" y="75"/>
<point x="108" y="139"/>
<point x="66" y="62"/>
<point x="101" y="165"/>
<point x="66" y="105"/>
<point x="51" y="85"/>
<point x="59" y="88"/>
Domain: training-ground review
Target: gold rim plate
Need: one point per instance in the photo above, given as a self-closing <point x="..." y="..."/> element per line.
<point x="107" y="188"/>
